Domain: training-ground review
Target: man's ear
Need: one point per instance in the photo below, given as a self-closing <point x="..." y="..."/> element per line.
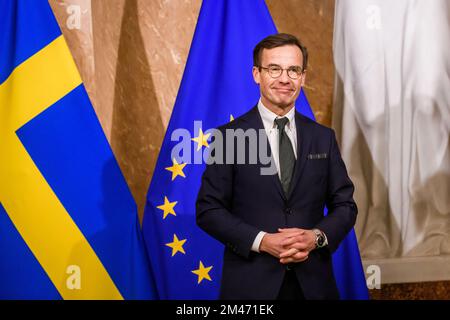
<point x="302" y="83"/>
<point x="256" y="75"/>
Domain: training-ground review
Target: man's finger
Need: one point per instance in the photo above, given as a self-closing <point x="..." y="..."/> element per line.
<point x="292" y="240"/>
<point x="302" y="260"/>
<point x="288" y="253"/>
<point x="300" y="256"/>
<point x="300" y="246"/>
<point x="290" y="230"/>
<point x="286" y="260"/>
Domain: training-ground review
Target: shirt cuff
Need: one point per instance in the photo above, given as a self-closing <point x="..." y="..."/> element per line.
<point x="257" y="241"/>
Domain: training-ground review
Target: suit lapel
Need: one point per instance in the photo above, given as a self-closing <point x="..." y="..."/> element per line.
<point x="303" y="145"/>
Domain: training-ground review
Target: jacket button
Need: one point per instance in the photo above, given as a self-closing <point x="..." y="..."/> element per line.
<point x="288" y="210"/>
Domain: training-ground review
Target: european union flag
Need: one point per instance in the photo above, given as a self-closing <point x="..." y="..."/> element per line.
<point x="68" y="223"/>
<point x="217" y="86"/>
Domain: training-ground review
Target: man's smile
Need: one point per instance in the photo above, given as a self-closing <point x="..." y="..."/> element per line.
<point x="284" y="90"/>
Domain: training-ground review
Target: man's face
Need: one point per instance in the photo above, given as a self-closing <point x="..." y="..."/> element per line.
<point x="279" y="93"/>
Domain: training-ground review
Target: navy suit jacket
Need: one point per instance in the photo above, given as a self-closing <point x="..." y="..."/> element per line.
<point x="236" y="202"/>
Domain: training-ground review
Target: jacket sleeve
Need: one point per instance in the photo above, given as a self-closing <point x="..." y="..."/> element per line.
<point x="342" y="209"/>
<point x="214" y="210"/>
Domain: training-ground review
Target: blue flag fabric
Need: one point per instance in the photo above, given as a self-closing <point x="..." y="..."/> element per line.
<point x="68" y="223"/>
<point x="217" y="85"/>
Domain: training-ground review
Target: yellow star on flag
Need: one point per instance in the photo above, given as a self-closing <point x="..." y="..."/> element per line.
<point x="231" y="118"/>
<point x="202" y="272"/>
<point x="176" y="169"/>
<point x="167" y="207"/>
<point x="201" y="139"/>
<point x="176" y="245"/>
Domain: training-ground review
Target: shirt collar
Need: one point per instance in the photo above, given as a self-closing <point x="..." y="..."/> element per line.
<point x="269" y="117"/>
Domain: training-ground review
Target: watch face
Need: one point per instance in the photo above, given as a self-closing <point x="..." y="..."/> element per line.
<point x="320" y="240"/>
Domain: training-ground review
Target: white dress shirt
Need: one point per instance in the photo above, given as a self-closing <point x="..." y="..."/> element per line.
<point x="268" y="119"/>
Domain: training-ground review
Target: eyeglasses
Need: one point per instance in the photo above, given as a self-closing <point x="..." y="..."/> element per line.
<point x="276" y="71"/>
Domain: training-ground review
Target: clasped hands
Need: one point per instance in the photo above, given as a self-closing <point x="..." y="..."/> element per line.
<point x="290" y="245"/>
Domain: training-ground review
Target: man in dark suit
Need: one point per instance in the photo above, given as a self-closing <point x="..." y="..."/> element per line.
<point x="278" y="243"/>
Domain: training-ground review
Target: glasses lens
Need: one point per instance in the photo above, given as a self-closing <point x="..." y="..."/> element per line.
<point x="294" y="73"/>
<point x="275" y="71"/>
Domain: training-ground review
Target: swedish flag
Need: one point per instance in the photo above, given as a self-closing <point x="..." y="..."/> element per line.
<point x="68" y="223"/>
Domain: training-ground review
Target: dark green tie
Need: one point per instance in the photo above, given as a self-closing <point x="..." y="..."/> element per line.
<point x="286" y="155"/>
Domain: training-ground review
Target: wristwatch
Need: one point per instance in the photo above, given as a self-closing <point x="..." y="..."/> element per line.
<point x="321" y="239"/>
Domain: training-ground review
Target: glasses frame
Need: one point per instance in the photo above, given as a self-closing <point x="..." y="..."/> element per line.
<point x="282" y="70"/>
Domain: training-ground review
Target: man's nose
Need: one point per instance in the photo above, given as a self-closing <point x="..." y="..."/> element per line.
<point x="284" y="78"/>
